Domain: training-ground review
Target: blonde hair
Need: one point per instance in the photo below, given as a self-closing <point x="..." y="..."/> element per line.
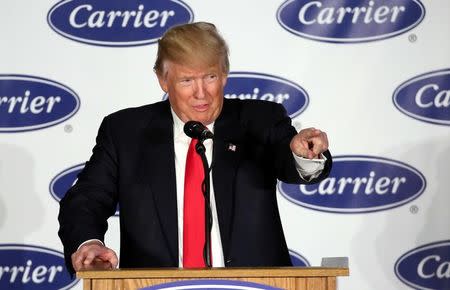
<point x="192" y="44"/>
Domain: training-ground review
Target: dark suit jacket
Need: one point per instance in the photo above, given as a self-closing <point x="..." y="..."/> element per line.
<point x="133" y="164"/>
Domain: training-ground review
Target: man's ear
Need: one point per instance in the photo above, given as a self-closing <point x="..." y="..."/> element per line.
<point x="162" y="81"/>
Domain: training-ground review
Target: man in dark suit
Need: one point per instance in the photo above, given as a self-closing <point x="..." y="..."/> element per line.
<point x="140" y="157"/>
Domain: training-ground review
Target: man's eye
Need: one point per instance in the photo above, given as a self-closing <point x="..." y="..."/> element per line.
<point x="185" y="81"/>
<point x="211" y="77"/>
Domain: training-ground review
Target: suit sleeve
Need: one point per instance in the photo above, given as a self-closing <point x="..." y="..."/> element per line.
<point x="85" y="208"/>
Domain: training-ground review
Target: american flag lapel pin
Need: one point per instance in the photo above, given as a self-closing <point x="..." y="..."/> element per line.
<point x="231" y="147"/>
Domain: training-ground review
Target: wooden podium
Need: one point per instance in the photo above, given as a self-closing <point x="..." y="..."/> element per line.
<point x="298" y="278"/>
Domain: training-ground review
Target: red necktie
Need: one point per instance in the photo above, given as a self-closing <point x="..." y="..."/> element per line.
<point x="194" y="210"/>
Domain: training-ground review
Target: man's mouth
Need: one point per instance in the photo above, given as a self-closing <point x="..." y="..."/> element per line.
<point x="201" y="108"/>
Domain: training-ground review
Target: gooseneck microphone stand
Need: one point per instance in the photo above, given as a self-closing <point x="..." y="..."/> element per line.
<point x="200" y="148"/>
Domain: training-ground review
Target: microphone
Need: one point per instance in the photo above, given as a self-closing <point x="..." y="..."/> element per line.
<point x="197" y="130"/>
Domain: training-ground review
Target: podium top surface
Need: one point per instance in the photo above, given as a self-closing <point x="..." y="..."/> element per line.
<point x="212" y="272"/>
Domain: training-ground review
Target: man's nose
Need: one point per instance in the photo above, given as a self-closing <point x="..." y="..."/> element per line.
<point x="199" y="88"/>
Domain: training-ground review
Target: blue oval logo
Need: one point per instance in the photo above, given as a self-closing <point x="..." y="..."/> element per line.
<point x="258" y="86"/>
<point x="359" y="184"/>
<point x="33" y="267"/>
<point x="64" y="180"/>
<point x="426" y="97"/>
<point x="298" y="260"/>
<point x="32" y="103"/>
<point x="207" y="284"/>
<point x="349" y="21"/>
<point x="116" y="22"/>
<point x="426" y="267"/>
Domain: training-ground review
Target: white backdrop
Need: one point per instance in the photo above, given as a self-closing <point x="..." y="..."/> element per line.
<point x="350" y="87"/>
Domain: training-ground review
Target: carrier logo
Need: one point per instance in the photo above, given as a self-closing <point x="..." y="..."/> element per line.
<point x="298" y="260"/>
<point x="426" y="267"/>
<point x="117" y="22"/>
<point x="63" y="181"/>
<point x="206" y="284"/>
<point x="426" y="97"/>
<point x="32" y="267"/>
<point x="257" y="86"/>
<point x="349" y="21"/>
<point x="359" y="184"/>
<point x="31" y="103"/>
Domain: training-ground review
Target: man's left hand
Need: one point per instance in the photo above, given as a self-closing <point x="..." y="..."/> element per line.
<point x="309" y="143"/>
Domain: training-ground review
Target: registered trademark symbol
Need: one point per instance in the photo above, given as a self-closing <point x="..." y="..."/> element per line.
<point x="412" y="37"/>
<point x="414" y="209"/>
<point x="68" y="128"/>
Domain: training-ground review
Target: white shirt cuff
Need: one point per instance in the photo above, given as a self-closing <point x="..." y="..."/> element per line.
<point x="309" y="168"/>
<point x="91" y="240"/>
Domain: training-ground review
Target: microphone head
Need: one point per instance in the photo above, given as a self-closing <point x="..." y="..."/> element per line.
<point x="197" y="130"/>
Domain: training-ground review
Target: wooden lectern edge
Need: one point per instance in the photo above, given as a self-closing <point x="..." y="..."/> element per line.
<point x="212" y="272"/>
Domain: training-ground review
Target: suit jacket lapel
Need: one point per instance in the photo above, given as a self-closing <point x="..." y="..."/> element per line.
<point x="158" y="170"/>
<point x="226" y="157"/>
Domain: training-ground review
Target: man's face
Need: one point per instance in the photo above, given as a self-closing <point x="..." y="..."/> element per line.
<point x="195" y="94"/>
